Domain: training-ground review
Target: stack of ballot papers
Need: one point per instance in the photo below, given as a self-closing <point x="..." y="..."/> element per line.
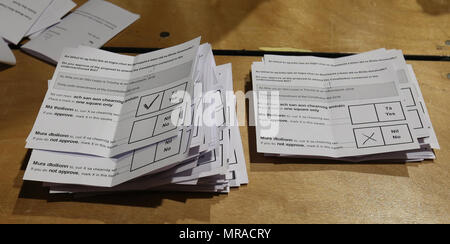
<point x="365" y="107"/>
<point x="24" y="18"/>
<point x="159" y="121"/>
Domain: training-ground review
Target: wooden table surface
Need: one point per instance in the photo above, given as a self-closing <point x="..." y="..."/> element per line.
<point x="280" y="190"/>
<point x="415" y="26"/>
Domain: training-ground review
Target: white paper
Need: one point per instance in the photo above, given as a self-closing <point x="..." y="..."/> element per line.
<point x="92" y="24"/>
<point x="432" y="139"/>
<point x="407" y="86"/>
<point x="6" y="55"/>
<point x="214" y="170"/>
<point x="36" y="34"/>
<point x="67" y="168"/>
<point x="106" y="104"/>
<point x="17" y="17"/>
<point x="142" y="183"/>
<point x="52" y="15"/>
<point x="198" y="136"/>
<point x="330" y="111"/>
<point x="209" y="164"/>
<point x="237" y="165"/>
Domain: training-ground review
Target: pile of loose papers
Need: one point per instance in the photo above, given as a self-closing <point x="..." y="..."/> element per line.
<point x="156" y="121"/>
<point x="365" y="107"/>
<point x="92" y="24"/>
<point x="24" y="18"/>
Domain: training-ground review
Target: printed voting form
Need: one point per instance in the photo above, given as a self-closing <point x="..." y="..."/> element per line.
<point x="17" y="17"/>
<point x="107" y="172"/>
<point x="330" y="111"/>
<point x="6" y="55"/>
<point x="175" y="164"/>
<point x="105" y="104"/>
<point x="412" y="95"/>
<point x="409" y="87"/>
<point x="92" y="24"/>
<point x="200" y="175"/>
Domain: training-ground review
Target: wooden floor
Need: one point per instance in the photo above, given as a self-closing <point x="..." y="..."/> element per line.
<point x="280" y="190"/>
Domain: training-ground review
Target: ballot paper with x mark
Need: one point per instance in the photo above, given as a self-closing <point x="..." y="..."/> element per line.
<point x="330" y="110"/>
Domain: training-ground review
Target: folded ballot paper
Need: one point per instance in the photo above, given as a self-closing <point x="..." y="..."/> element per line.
<point x="156" y="121"/>
<point x="92" y="24"/>
<point x="365" y="107"/>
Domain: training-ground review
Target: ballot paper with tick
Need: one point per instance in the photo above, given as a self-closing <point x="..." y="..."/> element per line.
<point x="174" y="164"/>
<point x="106" y="104"/>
